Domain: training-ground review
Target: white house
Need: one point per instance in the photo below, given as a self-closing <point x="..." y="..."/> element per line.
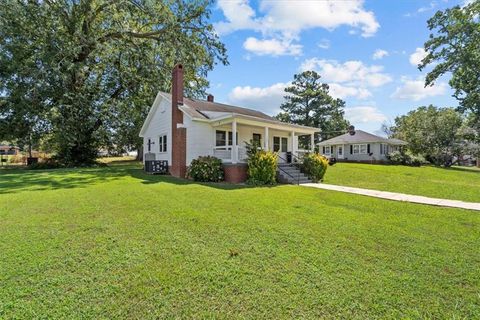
<point x="360" y="146"/>
<point x="178" y="130"/>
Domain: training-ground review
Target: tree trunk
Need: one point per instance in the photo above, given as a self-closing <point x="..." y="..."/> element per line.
<point x="139" y="153"/>
<point x="30" y="145"/>
<point x="478" y="161"/>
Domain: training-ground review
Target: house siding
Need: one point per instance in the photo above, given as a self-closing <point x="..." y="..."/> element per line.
<point x="374" y="149"/>
<point x="160" y="124"/>
<point x="200" y="139"/>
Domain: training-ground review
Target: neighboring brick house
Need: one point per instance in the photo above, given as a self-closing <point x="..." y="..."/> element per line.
<point x="180" y="129"/>
<point x="360" y="146"/>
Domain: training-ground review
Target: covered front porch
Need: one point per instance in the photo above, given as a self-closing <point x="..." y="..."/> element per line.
<point x="232" y="134"/>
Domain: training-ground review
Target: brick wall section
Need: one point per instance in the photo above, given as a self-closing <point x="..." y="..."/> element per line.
<point x="235" y="173"/>
<point x="179" y="165"/>
<point x="179" y="135"/>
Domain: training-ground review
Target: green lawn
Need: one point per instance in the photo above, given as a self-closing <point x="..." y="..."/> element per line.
<point x="457" y="183"/>
<point x="116" y="243"/>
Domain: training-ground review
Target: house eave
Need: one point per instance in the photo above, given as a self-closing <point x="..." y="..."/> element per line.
<point x="258" y="121"/>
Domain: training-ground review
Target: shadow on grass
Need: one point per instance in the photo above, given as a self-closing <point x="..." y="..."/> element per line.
<point x="465" y="169"/>
<point x="19" y="180"/>
<point x="152" y="179"/>
<point x="35" y="180"/>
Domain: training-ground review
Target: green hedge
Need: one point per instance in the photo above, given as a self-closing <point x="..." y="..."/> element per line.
<point x="262" y="168"/>
<point x="206" y="169"/>
<point x="406" y="158"/>
<point x="315" y="166"/>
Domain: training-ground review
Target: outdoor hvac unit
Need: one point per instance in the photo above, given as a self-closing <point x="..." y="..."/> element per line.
<point x="156" y="166"/>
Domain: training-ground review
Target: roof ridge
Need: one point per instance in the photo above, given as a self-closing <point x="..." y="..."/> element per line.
<point x="221" y="104"/>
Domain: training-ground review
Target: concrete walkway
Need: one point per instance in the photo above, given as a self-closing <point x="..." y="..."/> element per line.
<point x="398" y="196"/>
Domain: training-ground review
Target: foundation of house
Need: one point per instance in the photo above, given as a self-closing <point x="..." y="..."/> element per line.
<point x="235" y="172"/>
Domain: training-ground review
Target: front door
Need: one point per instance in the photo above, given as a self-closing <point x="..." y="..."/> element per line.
<point x="340" y="152"/>
<point x="280" y="145"/>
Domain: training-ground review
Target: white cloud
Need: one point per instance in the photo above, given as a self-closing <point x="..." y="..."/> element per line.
<point x="342" y="92"/>
<point x="351" y="72"/>
<point x="272" y="47"/>
<point x="239" y="16"/>
<point x="379" y="54"/>
<point x="430" y="7"/>
<point x="349" y="79"/>
<point x="295" y="16"/>
<point x="324" y="44"/>
<point x="267" y="99"/>
<point x="417" y="57"/>
<point x="415" y="90"/>
<point x="364" y="114"/>
<point x="285" y="20"/>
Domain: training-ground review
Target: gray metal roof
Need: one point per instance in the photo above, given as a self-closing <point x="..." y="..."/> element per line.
<point x="359" y="137"/>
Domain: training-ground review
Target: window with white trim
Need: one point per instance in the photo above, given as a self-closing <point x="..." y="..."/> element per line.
<point x="359" y="149"/>
<point x="384" y="148"/>
<point x="162" y="143"/>
<point x="221" y="138"/>
<point x="328" y="150"/>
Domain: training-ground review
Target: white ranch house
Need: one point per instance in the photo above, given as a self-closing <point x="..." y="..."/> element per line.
<point x="179" y="130"/>
<point x="360" y="146"/>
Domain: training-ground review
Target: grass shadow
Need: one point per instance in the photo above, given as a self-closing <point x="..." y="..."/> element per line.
<point x="34" y="180"/>
<point x="145" y="178"/>
<point x="19" y="180"/>
<point x="465" y="169"/>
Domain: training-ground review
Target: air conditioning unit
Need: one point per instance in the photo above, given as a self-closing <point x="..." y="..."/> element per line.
<point x="156" y="166"/>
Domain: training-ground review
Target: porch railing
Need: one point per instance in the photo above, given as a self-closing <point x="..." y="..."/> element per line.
<point x="225" y="153"/>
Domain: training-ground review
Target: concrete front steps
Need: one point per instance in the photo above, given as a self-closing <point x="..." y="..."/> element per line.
<point x="288" y="173"/>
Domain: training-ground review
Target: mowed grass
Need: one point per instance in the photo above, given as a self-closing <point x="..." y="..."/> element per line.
<point x="456" y="183"/>
<point x="116" y="243"/>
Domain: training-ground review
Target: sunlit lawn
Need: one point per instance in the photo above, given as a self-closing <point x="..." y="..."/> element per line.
<point x="116" y="243"/>
<point x="458" y="183"/>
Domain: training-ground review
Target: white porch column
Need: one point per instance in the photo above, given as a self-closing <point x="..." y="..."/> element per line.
<point x="312" y="142"/>
<point x="234" y="142"/>
<point x="294" y="149"/>
<point x="266" y="139"/>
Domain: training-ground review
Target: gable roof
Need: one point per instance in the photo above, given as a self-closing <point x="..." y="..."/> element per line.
<point x="360" y="136"/>
<point x="201" y="108"/>
<point x="207" y="111"/>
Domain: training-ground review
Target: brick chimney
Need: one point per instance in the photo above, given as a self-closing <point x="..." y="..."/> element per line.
<point x="178" y="167"/>
<point x="210" y="98"/>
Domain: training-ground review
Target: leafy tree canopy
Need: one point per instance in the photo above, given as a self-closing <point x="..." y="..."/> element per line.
<point x="432" y="132"/>
<point x="454" y="47"/>
<point x="309" y="103"/>
<point x="83" y="73"/>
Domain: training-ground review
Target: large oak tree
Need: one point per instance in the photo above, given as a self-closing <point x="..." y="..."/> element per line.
<point x="83" y="73"/>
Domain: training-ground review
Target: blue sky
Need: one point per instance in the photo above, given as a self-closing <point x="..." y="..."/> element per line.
<point x="366" y="51"/>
